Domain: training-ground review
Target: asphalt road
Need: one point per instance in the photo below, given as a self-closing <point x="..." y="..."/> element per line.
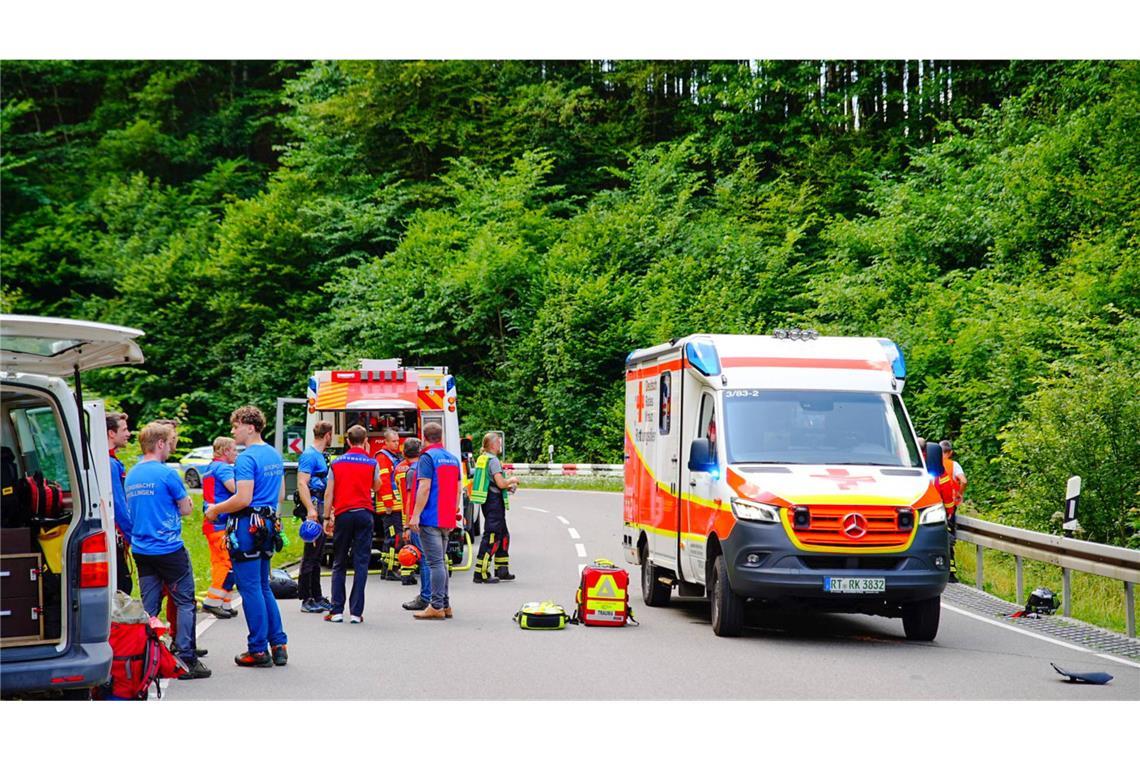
<point x="672" y="655"/>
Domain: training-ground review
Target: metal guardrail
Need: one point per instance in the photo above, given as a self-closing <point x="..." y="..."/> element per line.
<point x="568" y="470"/>
<point x="1067" y="553"/>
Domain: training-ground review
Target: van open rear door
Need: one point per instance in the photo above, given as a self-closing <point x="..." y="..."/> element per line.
<point x="60" y="347"/>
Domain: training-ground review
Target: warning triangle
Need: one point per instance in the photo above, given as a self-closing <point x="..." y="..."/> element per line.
<point x="605" y="588"/>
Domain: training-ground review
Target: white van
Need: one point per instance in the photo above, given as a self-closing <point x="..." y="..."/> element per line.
<point x="57" y="564"/>
<point x="780" y="469"/>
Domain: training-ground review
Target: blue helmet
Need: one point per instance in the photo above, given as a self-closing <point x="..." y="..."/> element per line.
<point x="310" y="530"/>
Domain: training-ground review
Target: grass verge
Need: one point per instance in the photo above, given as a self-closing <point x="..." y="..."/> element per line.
<point x="574" y="482"/>
<point x="1096" y="600"/>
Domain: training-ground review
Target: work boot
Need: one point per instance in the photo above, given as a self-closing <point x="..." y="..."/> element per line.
<point x="408" y="580"/>
<point x="447" y="612"/>
<point x="416" y="604"/>
<point x="254" y="660"/>
<point x="430" y="613"/>
<point x="280" y="655"/>
<point x="197" y="670"/>
<point x="216" y="611"/>
<point x="503" y="574"/>
<point x="230" y="612"/>
<point x="312" y="605"/>
<point x="488" y="579"/>
<point x="201" y="652"/>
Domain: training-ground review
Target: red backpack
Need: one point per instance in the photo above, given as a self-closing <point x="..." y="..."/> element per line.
<point x="140" y="659"/>
<point x="603" y="596"/>
<point x="44" y="498"/>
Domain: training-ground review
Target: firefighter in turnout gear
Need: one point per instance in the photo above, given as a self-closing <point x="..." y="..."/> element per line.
<point x="406" y="483"/>
<point x="389" y="506"/>
<point x="490" y="489"/>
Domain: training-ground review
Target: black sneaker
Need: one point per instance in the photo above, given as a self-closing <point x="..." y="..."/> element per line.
<point x="504" y="574"/>
<point x="280" y="655"/>
<point x="197" y="670"/>
<point x="416" y="604"/>
<point x="325" y="602"/>
<point x="254" y="660"/>
<point x="312" y="605"/>
<point x="489" y="579"/>
<point x="201" y="652"/>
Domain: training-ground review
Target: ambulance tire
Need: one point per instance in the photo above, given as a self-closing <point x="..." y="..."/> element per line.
<point x="653" y="592"/>
<point x="727" y="607"/>
<point x="920" y="619"/>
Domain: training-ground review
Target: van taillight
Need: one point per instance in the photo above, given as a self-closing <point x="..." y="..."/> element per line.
<point x="94" y="570"/>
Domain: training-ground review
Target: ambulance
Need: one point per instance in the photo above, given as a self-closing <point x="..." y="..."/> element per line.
<point x="780" y="470"/>
<point x="383" y="394"/>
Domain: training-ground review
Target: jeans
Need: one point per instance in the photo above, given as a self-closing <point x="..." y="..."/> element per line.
<point x="262" y="617"/>
<point x="174" y="571"/>
<point x="353" y="530"/>
<point x="434" y="542"/>
<point x="425" y="576"/>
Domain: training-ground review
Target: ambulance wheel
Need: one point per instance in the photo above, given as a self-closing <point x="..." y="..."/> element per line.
<point x="727" y="607"/>
<point x="920" y="619"/>
<point x="653" y="592"/>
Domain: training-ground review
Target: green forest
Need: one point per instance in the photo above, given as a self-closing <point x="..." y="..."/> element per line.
<point x="528" y="223"/>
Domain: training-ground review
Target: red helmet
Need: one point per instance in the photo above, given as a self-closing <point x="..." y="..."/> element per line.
<point x="409" y="556"/>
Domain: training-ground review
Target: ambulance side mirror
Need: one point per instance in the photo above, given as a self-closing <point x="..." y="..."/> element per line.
<point x="701" y="456"/>
<point x="933" y="456"/>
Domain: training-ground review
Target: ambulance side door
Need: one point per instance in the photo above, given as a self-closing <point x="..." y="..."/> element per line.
<point x="699" y="512"/>
<point x="662" y="422"/>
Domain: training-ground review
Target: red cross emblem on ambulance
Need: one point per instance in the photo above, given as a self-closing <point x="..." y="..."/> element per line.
<point x="844" y="479"/>
<point x="640" y="399"/>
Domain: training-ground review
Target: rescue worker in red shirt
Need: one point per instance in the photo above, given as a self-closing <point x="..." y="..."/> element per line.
<point x="950" y="486"/>
<point x="406" y="484"/>
<point x="389" y="523"/>
<point x="218" y="485"/>
<point x="353" y="484"/>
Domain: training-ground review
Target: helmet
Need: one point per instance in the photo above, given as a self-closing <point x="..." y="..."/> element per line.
<point x="1042" y="601"/>
<point x="310" y="531"/>
<point x="409" y="556"/>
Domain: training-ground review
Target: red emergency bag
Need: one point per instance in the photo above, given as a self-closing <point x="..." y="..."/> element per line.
<point x="603" y="596"/>
<point x="140" y="659"/>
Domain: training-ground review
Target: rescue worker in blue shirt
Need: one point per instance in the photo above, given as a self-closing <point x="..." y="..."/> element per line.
<point x="118" y="435"/>
<point x="312" y="475"/>
<point x="254" y="528"/>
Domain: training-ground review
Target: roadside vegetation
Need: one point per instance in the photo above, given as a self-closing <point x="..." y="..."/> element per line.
<point x="529" y="223"/>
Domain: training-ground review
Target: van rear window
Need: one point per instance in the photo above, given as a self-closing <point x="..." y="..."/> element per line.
<point x="817" y="427"/>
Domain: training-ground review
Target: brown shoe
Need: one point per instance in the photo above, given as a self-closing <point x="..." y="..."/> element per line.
<point x="447" y="612"/>
<point x="431" y="613"/>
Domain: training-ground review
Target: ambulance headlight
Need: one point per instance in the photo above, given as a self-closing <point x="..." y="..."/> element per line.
<point x="755" y="511"/>
<point x="933" y="515"/>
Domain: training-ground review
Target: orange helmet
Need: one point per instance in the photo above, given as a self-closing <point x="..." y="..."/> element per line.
<point x="409" y="556"/>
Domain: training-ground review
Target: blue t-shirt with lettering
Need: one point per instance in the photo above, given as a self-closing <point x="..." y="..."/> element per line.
<point x="263" y="465"/>
<point x="153" y="493"/>
<point x="221" y="472"/>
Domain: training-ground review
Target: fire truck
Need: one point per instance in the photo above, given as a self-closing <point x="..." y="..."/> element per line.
<point x="780" y="470"/>
<point x="383" y="394"/>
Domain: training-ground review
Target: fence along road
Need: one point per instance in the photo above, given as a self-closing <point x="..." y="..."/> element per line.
<point x="673" y="654"/>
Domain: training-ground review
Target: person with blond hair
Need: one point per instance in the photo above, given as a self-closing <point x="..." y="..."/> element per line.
<point x="218" y="485"/>
<point x="158" y="501"/>
<point x="254" y="525"/>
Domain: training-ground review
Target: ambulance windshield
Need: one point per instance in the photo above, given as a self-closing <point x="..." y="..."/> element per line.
<point x="403" y="421"/>
<point x="817" y="427"/>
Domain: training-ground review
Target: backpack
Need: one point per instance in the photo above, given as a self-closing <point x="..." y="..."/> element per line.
<point x="140" y="659"/>
<point x="282" y="585"/>
<point x="43" y="497"/>
<point x="603" y="596"/>
<point x="541" y="616"/>
<point x="14" y="512"/>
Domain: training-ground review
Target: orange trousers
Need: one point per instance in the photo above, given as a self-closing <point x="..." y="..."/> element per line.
<point x="220" y="593"/>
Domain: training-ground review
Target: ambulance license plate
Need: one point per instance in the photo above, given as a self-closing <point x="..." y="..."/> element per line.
<point x="855" y="585"/>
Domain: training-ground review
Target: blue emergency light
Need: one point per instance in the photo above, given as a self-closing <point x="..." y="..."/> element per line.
<point x="702" y="357"/>
<point x="894" y="353"/>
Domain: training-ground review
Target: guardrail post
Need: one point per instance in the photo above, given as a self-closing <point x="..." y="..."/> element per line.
<point x="1066" y="592"/>
<point x="978" y="575"/>
<point x="1130" y="608"/>
<point x="1020" y="579"/>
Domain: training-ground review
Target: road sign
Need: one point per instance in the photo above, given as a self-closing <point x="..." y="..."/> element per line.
<point x="294" y="442"/>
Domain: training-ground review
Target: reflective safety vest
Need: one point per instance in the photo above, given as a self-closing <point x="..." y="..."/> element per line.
<point x="389" y="500"/>
<point x="481" y="482"/>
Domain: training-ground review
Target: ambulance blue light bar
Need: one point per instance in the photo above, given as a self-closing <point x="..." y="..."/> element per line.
<point x="894" y="353"/>
<point x="702" y="356"/>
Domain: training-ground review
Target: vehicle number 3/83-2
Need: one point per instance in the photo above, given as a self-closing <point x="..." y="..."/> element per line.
<point x="855" y="585"/>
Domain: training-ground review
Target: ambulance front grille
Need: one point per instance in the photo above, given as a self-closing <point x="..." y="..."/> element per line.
<point x="826" y="527"/>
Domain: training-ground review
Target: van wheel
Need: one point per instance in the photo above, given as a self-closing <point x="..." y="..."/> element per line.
<point x="653" y="592"/>
<point x="920" y="619"/>
<point x="727" y="606"/>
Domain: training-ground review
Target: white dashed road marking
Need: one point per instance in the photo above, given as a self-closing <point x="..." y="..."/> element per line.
<point x="574" y="534"/>
<point x="581" y="549"/>
<point x="563" y="520"/>
<point x="536" y="509"/>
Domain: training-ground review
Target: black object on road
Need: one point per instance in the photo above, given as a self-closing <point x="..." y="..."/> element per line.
<point x="1098" y="678"/>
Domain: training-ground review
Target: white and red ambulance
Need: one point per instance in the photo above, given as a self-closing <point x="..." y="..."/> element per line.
<point x="780" y="469"/>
